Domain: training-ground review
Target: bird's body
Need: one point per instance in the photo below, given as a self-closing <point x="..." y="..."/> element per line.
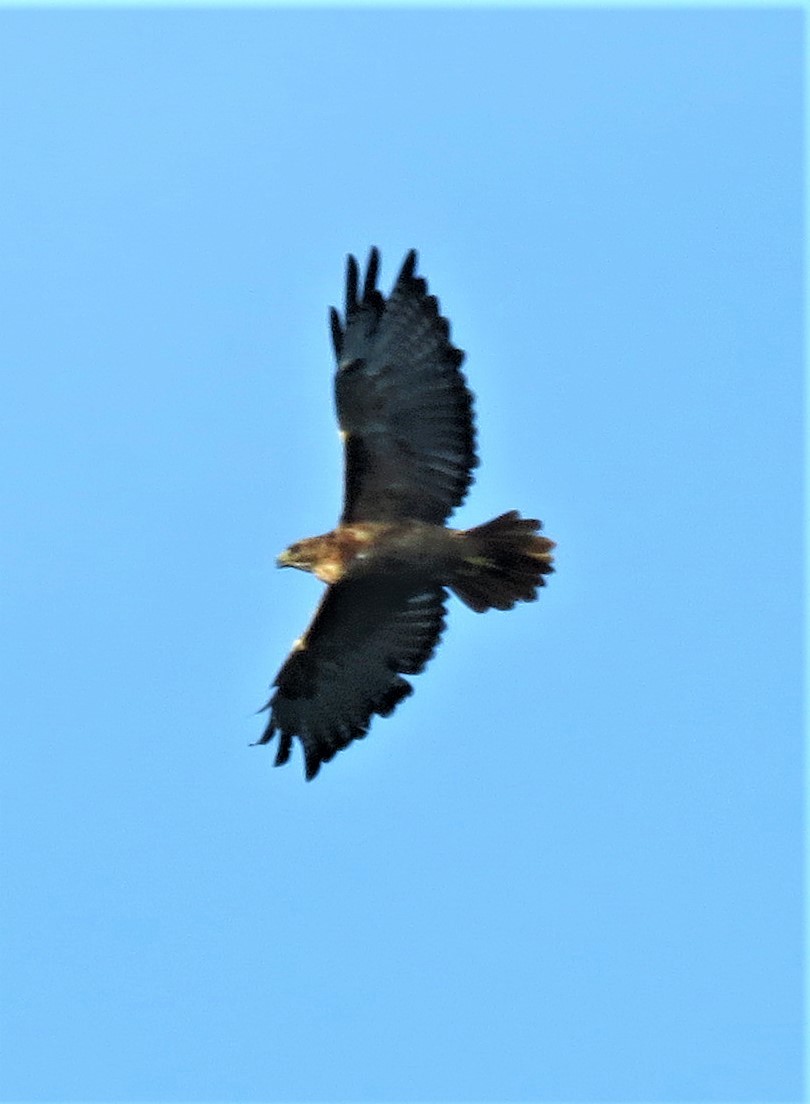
<point x="405" y="415"/>
<point x="373" y="547"/>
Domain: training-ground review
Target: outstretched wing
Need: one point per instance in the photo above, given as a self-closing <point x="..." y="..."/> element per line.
<point x="348" y="665"/>
<point x="402" y="401"/>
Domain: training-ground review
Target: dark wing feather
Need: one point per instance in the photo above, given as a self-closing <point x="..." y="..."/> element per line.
<point x="402" y="401"/>
<point x="348" y="665"/>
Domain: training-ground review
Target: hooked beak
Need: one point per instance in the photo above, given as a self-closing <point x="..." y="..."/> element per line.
<point x="284" y="559"/>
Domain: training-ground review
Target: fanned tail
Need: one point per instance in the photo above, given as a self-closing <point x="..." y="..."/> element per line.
<point x="503" y="562"/>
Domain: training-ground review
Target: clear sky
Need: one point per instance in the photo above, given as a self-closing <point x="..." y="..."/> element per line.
<point x="568" y="868"/>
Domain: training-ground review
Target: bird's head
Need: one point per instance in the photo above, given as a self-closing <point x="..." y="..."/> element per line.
<point x="320" y="555"/>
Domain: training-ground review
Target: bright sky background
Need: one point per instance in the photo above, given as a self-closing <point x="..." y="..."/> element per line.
<point x="569" y="867"/>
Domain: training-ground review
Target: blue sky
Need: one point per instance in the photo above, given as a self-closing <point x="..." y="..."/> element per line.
<point x="569" y="867"/>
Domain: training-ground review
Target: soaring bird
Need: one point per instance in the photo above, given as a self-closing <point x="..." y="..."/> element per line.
<point x="406" y="421"/>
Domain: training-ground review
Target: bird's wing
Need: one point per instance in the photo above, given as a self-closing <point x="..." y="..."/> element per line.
<point x="348" y="665"/>
<point x="403" y="405"/>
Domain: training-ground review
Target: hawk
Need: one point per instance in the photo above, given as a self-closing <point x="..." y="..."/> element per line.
<point x="406" y="421"/>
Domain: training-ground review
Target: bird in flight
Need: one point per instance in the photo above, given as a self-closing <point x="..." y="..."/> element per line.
<point x="406" y="421"/>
